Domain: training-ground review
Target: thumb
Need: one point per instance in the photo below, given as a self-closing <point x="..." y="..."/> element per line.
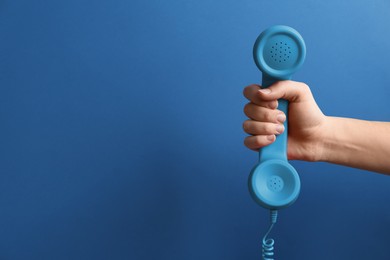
<point x="293" y="91"/>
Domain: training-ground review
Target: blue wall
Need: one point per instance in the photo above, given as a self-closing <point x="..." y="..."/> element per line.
<point x="121" y="133"/>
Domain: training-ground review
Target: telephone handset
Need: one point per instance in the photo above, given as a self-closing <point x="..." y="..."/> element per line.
<point x="273" y="183"/>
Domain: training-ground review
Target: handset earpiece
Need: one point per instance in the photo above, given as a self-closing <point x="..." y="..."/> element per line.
<point x="278" y="52"/>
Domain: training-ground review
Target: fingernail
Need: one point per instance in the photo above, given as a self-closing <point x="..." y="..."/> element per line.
<point x="279" y="129"/>
<point x="281" y="118"/>
<point x="270" y="137"/>
<point x="265" y="90"/>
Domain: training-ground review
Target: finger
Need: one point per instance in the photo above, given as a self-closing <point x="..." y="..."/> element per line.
<point x="251" y="92"/>
<point x="286" y="89"/>
<point x="260" y="128"/>
<point x="258" y="141"/>
<point x="263" y="114"/>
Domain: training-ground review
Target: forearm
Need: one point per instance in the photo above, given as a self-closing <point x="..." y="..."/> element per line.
<point x="357" y="143"/>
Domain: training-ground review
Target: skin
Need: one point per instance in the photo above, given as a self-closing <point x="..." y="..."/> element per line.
<point x="312" y="135"/>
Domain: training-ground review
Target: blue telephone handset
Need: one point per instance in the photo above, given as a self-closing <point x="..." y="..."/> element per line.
<point x="273" y="183"/>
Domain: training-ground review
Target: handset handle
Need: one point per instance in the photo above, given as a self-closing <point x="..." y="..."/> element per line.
<point x="278" y="149"/>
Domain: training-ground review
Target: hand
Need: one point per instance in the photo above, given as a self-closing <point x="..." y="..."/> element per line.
<point x="306" y="122"/>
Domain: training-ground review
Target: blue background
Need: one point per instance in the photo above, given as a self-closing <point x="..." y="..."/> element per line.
<point x="121" y="133"/>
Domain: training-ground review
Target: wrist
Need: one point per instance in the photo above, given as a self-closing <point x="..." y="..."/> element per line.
<point x="324" y="144"/>
<point x="325" y="140"/>
<point x="335" y="141"/>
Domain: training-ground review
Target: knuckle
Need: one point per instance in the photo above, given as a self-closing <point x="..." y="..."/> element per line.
<point x="247" y="108"/>
<point x="258" y="141"/>
<point x="304" y="87"/>
<point x="268" y="129"/>
<point x="246" y="126"/>
<point x="249" y="90"/>
<point x="268" y="116"/>
<point x="245" y="91"/>
<point x="247" y="142"/>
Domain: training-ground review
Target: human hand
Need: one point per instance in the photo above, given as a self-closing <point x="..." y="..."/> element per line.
<point x="306" y="122"/>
